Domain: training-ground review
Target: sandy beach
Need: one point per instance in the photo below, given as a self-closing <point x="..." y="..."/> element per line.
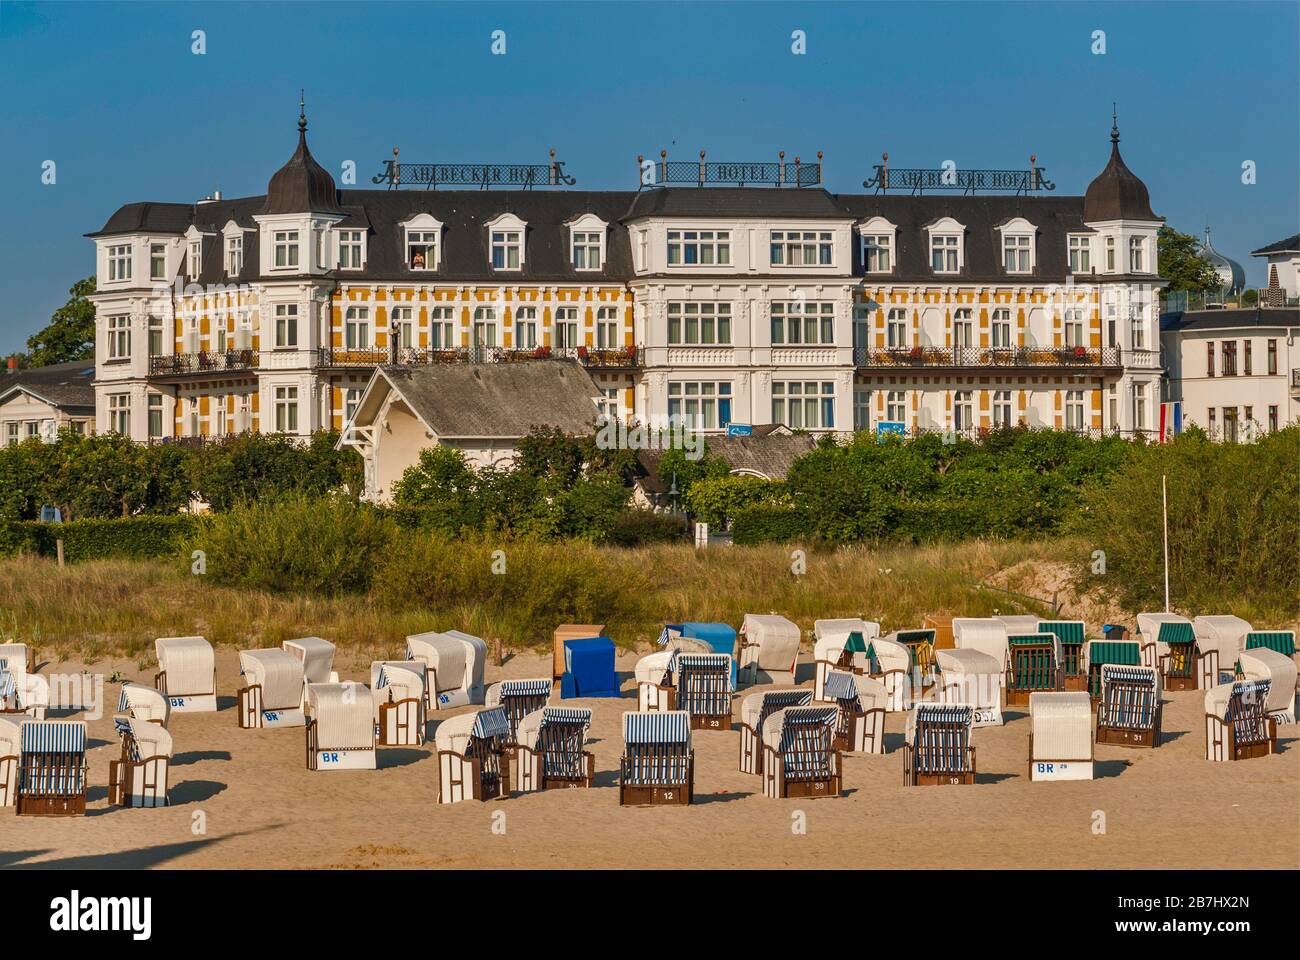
<point x="243" y="798"/>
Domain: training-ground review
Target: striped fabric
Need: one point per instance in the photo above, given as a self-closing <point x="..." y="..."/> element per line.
<point x="657" y="749"/>
<point x="1067" y="631"/>
<point x="8" y="685"/>
<point x="122" y="724"/>
<point x="665" y="635"/>
<point x="1283" y="641"/>
<point x="942" y="737"/>
<point x="704" y="683"/>
<point x="673" y="727"/>
<point x="490" y="723"/>
<point x="1176" y="633"/>
<point x="839" y="686"/>
<point x="1033" y="661"/>
<point x="806" y="742"/>
<point x="779" y="700"/>
<point x="560" y="740"/>
<point x="1128" y="697"/>
<point x="124" y="700"/>
<point x="1121" y="652"/>
<point x="343" y="716"/>
<point x="54" y="736"/>
<point x="525" y="688"/>
<point x="54" y="757"/>
<point x="1246" y="710"/>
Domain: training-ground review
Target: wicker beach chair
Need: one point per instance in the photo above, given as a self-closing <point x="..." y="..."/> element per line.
<point x="518" y="698"/>
<point x="799" y="755"/>
<point x="1220" y="640"/>
<point x="11" y="745"/>
<point x="21" y="690"/>
<point x="703" y="686"/>
<point x="340" y="727"/>
<point x="1154" y="639"/>
<point x="1266" y="663"/>
<point x="187" y="674"/>
<point x="1180" y="656"/>
<point x="398" y="694"/>
<point x="453" y="663"/>
<point x="550" y="752"/>
<point x="1071" y="636"/>
<point x="769" y="649"/>
<point x="755" y="708"/>
<point x="860" y="723"/>
<point x="52" y="768"/>
<point x="274" y="689"/>
<point x="139" y="777"/>
<point x="472" y="762"/>
<point x="938" y="750"/>
<point x="1129" y="712"/>
<point x="1237" y="724"/>
<point x="920" y="644"/>
<point x="143" y="703"/>
<point x="985" y="634"/>
<point x="317" y="657"/>
<point x="1033" y="665"/>
<point x="1102" y="653"/>
<point x="658" y="764"/>
<point x="654" y="681"/>
<point x="840" y="645"/>
<point x="974" y="678"/>
<point x="1060" y="736"/>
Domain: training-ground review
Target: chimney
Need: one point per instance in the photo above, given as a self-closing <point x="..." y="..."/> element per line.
<point x="13" y="364"/>
<point x="216" y="194"/>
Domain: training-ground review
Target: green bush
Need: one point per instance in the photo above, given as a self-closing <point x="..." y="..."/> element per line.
<point x="755" y="525"/>
<point x="300" y="544"/>
<point x="138" y="538"/>
<point x="716" y="500"/>
<point x="634" y="528"/>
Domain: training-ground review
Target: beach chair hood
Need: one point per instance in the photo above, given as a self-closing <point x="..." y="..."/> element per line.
<point x="778" y="640"/>
<point x="662" y="728"/>
<point x="1061" y="723"/>
<point x="456" y="658"/>
<point x="538" y="686"/>
<point x="453" y="735"/>
<point x="10" y="737"/>
<point x="1226" y="634"/>
<point x="985" y="634"/>
<point x="1219" y="698"/>
<point x="151" y="739"/>
<point x="13" y="661"/>
<point x="1019" y="623"/>
<point x="966" y="660"/>
<point x="317" y="656"/>
<point x="343" y="715"/>
<point x="396" y="680"/>
<point x="143" y="703"/>
<point x="529" y="733"/>
<point x="754" y="706"/>
<point x="188" y="663"/>
<point x="652" y="667"/>
<point x="1158" y="628"/>
<point x="1261" y="663"/>
<point x="923" y="713"/>
<point x="278" y="672"/>
<point x="891" y="655"/>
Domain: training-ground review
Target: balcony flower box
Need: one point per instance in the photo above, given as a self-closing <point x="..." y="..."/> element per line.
<point x="542" y="353"/>
<point x="582" y="353"/>
<point x="916" y="353"/>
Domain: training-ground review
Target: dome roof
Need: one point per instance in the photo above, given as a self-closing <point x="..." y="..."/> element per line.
<point x="1116" y="193"/>
<point x="1230" y="271"/>
<point x="302" y="185"/>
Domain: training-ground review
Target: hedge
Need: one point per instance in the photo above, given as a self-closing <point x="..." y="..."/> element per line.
<point x="130" y="537"/>
<point x="769" y="525"/>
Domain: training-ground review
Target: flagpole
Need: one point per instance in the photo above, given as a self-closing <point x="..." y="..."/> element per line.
<point x="1164" y="499"/>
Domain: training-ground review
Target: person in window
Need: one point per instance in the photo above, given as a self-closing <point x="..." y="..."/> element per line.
<point x="417" y="261"/>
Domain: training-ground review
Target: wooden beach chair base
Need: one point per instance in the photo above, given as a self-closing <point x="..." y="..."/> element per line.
<point x="50" y="806"/>
<point x="1075" y="682"/>
<point x="778" y="786"/>
<point x="1117" y="736"/>
<point x="860" y="732"/>
<point x="913" y="777"/>
<point x="401" y="724"/>
<point x="656" y="794"/>
<point x="141" y="783"/>
<point x="467" y="778"/>
<point x="327" y="759"/>
<point x="530" y="773"/>
<point x="1221" y="744"/>
<point x="704" y="721"/>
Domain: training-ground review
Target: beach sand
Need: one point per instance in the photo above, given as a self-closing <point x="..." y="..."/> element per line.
<point x="243" y="798"/>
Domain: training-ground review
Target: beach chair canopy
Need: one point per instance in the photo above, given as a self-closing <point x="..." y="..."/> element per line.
<point x="707" y="663"/>
<point x="396" y="680"/>
<point x="653" y="667"/>
<point x="925" y="715"/>
<point x="755" y="708"/>
<point x="457" y="658"/>
<point x="985" y="634"/>
<point x="1120" y="652"/>
<point x="317" y="657"/>
<point x="1061" y="723"/>
<point x="506" y="689"/>
<point x="491" y="722"/>
<point x="1019" y="622"/>
<point x="1282" y="641"/>
<point x="148" y="739"/>
<point x="455" y="734"/>
<point x="665" y="728"/>
<point x="656" y="748"/>
<point x="143" y="703"/>
<point x="838" y="630"/>
<point x="777" y="639"/>
<point x="789" y="728"/>
<point x="1067" y="631"/>
<point x="1218" y="699"/>
<point x="53" y="737"/>
<point x="343" y="715"/>
<point x="1162" y="629"/>
<point x="278" y="672"/>
<point x="891" y="655"/>
<point x="1261" y="663"/>
<point x="10" y="737"/>
<point x="533" y="728"/>
<point x="188" y="662"/>
<point x="967" y="661"/>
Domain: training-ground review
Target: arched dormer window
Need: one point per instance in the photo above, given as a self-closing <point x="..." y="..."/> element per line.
<point x="506" y="245"/>
<point x="422" y="242"/>
<point x="1019" y="249"/>
<point x="947" y="245"/>
<point x="587" y="235"/>
<point x="879" y="245"/>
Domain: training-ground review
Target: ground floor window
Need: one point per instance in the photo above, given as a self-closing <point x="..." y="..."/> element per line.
<point x="119" y="413"/>
<point x="155" y="416"/>
<point x="1272" y="417"/>
<point x="803" y="405"/>
<point x="700" y="405"/>
<point x="1002" y="408"/>
<point x="861" y="408"/>
<point x="286" y="409"/>
<point x="896" y="406"/>
<point x="1074" y="409"/>
<point x="963" y="411"/>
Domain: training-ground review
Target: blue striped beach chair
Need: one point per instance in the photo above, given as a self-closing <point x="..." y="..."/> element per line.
<point x="799" y="755"/>
<point x="52" y="768"/>
<point x="704" y="685"/>
<point x="658" y="764"/>
<point x="518" y="698"/>
<point x="550" y="751"/>
<point x="938" y="750"/>
<point x="472" y="762"/>
<point x="1237" y="725"/>
<point x="860" y="723"/>
<point x="139" y="777"/>
<point x="1129" y="712"/>
<point x="755" y="708"/>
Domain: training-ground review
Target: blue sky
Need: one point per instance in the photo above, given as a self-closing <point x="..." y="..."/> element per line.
<point x="113" y="94"/>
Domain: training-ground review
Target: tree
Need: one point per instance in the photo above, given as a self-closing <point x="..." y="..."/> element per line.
<point x="70" y="334"/>
<point x="1182" y="263"/>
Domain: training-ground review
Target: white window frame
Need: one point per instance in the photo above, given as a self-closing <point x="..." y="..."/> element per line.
<point x="1003" y="408"/>
<point x="803" y="323"/>
<point x="286" y="249"/>
<point x="950" y="245"/>
<point x="1080" y="253"/>
<point x="1017" y="253"/>
<point x="442" y="326"/>
<point x="963" y="410"/>
<point x="119" y="413"/>
<point x="711" y="314"/>
<point x="401" y="318"/>
<point x="698" y="403"/>
<point x="358" y="332"/>
<point x="509" y="234"/>
<point x="607" y="328"/>
<point x="567" y="328"/>
<point x="791" y="248"/>
<point x="963" y="320"/>
<point x="896" y="406"/>
<point x="285" y="404"/>
<point x="119" y="336"/>
<point x="285" y="323"/>
<point x="712" y="247"/>
<point x="804" y="405"/>
<point x="897" y="335"/>
<point x="234" y="255"/>
<point x="1000" y="321"/>
<point x="1074" y="410"/>
<point x="1137" y="251"/>
<point x="352" y="249"/>
<point x="587" y="235"/>
<point x="485" y="318"/>
<point x="155" y="258"/>
<point x="525" y="321"/>
<point x="119" y="262"/>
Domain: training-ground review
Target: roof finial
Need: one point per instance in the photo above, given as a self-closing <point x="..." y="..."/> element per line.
<point x="302" y="111"/>
<point x="1114" y="123"/>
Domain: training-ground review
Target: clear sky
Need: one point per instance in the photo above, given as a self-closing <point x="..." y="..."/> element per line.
<point x="113" y="94"/>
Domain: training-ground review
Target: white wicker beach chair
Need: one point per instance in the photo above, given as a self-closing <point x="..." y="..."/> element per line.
<point x="187" y="674"/>
<point x="1060" y="736"/>
<point x="938" y="749"/>
<point x="860" y="723"/>
<point x="831" y="640"/>
<point x="975" y="678"/>
<point x="1261" y="663"/>
<point x="143" y="703"/>
<point x="799" y="755"/>
<point x="398" y="691"/>
<point x="550" y="751"/>
<point x="1220" y="640"/>
<point x="1237" y="725"/>
<point x="1155" y="630"/>
<point x="317" y="656"/>
<point x="471" y="759"/>
<point x="1019" y="623"/>
<point x="755" y="708"/>
<point x="454" y="664"/>
<point x="518" y="698"/>
<point x="658" y="764"/>
<point x="17" y="682"/>
<point x="892" y="666"/>
<point x="139" y="777"/>
<point x="340" y="727"/>
<point x="985" y="634"/>
<point x="1129" y="712"/>
<point x="52" y="768"/>
<point x="654" y="681"/>
<point x="10" y="749"/>
<point x="769" y="649"/>
<point x="273" y="691"/>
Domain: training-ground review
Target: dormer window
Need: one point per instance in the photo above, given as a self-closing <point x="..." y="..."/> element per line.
<point x="507" y="249"/>
<point x="157" y="261"/>
<point x="194" y="260"/>
<point x="234" y="255"/>
<point x="1015" y="253"/>
<point x="587" y="250"/>
<point x="421" y="249"/>
<point x="1080" y="255"/>
<point x="119" y="262"/>
<point x="802" y="248"/>
<point x="943" y="253"/>
<point x="877" y="253"/>
<point x="285" y="248"/>
<point x="1136" y="255"/>
<point x="352" y="246"/>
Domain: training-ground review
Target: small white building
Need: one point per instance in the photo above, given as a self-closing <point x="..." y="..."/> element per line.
<point x="481" y="409"/>
<point x="1283" y="260"/>
<point x="41" y="401"/>
<point x="1235" y="370"/>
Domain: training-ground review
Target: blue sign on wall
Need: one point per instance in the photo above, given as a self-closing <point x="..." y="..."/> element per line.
<point x="739" y="430"/>
<point x="890" y="428"/>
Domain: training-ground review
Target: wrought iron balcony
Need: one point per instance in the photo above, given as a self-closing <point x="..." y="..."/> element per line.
<point x="624" y="358"/>
<point x="177" y="364"/>
<point x="985" y="357"/>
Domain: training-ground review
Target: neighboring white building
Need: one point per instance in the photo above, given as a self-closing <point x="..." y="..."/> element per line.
<point x="757" y="304"/>
<point x="40" y="401"/>
<point x="1234" y="367"/>
<point x="1283" y="261"/>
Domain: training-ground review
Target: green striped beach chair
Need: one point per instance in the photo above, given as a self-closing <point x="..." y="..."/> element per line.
<point x="1100" y="653"/>
<point x="1074" y="666"/>
<point x="1034" y="666"/>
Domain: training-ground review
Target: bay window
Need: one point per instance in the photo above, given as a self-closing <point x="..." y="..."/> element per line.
<point x="285" y="247"/>
<point x="119" y="262"/>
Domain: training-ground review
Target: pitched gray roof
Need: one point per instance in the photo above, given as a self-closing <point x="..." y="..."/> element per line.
<point x="507" y="400"/>
<point x="735" y="202"/>
<point x="770" y="454"/>
<point x="64" y="385"/>
<point x="1232" y="318"/>
<point x="1289" y="245"/>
